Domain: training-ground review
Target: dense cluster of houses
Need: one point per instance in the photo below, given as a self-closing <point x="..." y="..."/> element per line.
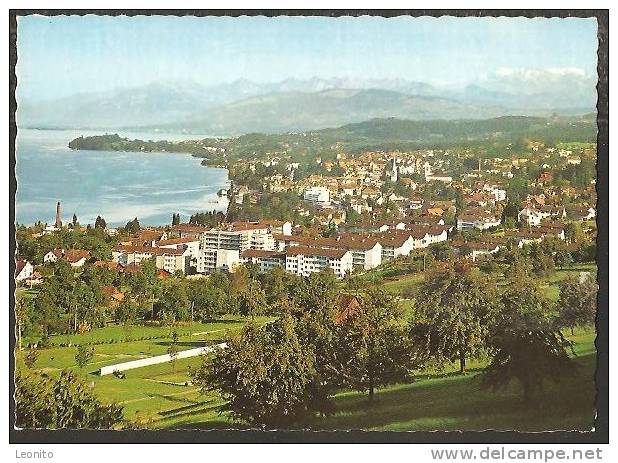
<point x="364" y="184"/>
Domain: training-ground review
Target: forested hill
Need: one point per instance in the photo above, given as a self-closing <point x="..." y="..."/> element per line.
<point x="491" y="136"/>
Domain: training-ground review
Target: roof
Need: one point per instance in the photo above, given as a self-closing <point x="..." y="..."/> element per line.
<point x="348" y="304"/>
<point x="75" y="255"/>
<point x="317" y="252"/>
<point x="176" y="241"/>
<point x="110" y="265"/>
<point x="188" y="227"/>
<point x="248" y="253"/>
<point x="128" y="249"/>
<point x="112" y="292"/>
<point x="346" y="241"/>
<point x="19" y="266"/>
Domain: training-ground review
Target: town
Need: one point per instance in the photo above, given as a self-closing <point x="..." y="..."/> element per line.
<point x="425" y="253"/>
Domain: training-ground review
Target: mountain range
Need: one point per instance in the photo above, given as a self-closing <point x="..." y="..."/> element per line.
<point x="243" y="106"/>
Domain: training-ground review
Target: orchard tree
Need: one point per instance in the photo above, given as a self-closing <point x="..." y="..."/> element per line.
<point x="252" y="301"/>
<point x="374" y="344"/>
<point x="31" y="357"/>
<point x="577" y="305"/>
<point x="454" y="311"/>
<point x="60" y="403"/>
<point x="526" y="341"/>
<point x="83" y="355"/>
<point x="264" y="375"/>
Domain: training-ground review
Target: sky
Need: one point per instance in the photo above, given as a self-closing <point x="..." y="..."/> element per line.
<point x="64" y="55"/>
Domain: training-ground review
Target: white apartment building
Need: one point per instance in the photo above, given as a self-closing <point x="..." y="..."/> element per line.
<point x="239" y="236"/>
<point x="317" y="195"/>
<point x="366" y="251"/>
<point x="212" y="260"/>
<point x="170" y="260"/>
<point x="304" y="261"/>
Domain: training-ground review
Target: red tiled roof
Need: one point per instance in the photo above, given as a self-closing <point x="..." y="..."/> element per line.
<point x="19" y="266"/>
<point x="248" y="253"/>
<point x="175" y="241"/>
<point x="110" y="265"/>
<point x="148" y="250"/>
<point x="75" y="255"/>
<point x="321" y="252"/>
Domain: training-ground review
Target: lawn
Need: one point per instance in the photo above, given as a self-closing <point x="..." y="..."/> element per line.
<point x="150" y="394"/>
<point x="161" y="396"/>
<point x="438" y="401"/>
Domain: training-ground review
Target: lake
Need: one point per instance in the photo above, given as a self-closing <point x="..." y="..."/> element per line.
<point x="118" y="186"/>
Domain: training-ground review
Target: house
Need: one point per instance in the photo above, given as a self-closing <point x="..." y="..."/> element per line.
<point x="212" y="260"/>
<point x="109" y="265"/>
<point x="366" y="250"/>
<point x="170" y="260"/>
<point x="191" y="244"/>
<point x="395" y="243"/>
<point x="187" y="230"/>
<point x="239" y="236"/>
<point x="347" y="306"/>
<point x="317" y="195"/>
<point x="265" y="260"/>
<point x="481" y="220"/>
<point x="476" y="248"/>
<point x="113" y="295"/>
<point x="582" y="213"/>
<point x="76" y="257"/>
<point x="53" y="255"/>
<point x="535" y="215"/>
<point x="23" y="270"/>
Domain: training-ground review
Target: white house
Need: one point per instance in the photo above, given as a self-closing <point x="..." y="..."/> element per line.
<point x="53" y="255"/>
<point x="23" y="270"/>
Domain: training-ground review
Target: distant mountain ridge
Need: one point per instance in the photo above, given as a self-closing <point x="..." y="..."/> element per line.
<point x="244" y="106"/>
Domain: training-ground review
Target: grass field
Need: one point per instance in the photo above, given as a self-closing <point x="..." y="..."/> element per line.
<point x="161" y="396"/>
<point x="438" y="401"/>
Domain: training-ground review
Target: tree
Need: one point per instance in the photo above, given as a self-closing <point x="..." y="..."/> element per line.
<point x="264" y="375"/>
<point x="174" y="301"/>
<point x="132" y="227"/>
<point x="442" y="251"/>
<point x="175" y="219"/>
<point x="173" y="350"/>
<point x="83" y="355"/>
<point x="252" y="301"/>
<point x="31" y="357"/>
<point x="454" y="310"/>
<point x="526" y="342"/>
<point x="563" y="257"/>
<point x="100" y="223"/>
<point x="74" y="222"/>
<point x="577" y="304"/>
<point x="60" y="403"/>
<point x="573" y="232"/>
<point x="374" y="344"/>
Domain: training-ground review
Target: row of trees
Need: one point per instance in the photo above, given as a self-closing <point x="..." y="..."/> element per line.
<point x="278" y="374"/>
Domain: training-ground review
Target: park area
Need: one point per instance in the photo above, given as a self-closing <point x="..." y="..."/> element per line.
<point x="163" y="396"/>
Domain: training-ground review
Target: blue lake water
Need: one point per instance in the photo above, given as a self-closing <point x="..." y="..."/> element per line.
<point x="115" y="185"/>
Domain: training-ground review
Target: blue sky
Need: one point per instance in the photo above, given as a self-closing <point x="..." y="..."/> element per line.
<point x="59" y="56"/>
